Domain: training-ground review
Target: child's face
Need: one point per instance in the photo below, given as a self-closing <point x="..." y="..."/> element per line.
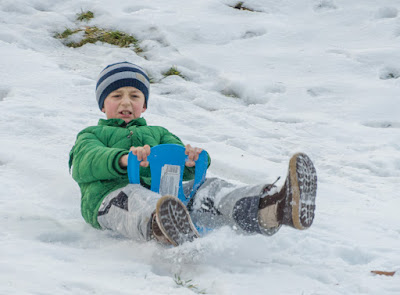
<point x="125" y="103"/>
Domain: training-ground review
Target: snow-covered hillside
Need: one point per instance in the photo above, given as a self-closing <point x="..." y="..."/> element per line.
<point x="321" y="77"/>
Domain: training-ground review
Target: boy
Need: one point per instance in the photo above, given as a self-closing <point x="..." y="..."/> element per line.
<point x="99" y="161"/>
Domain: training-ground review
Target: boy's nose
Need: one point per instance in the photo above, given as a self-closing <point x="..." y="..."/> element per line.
<point x="125" y="99"/>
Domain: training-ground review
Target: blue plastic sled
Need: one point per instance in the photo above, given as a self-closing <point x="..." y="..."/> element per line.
<point x="168" y="154"/>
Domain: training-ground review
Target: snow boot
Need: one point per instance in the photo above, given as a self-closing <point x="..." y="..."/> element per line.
<point x="294" y="204"/>
<point x="172" y="222"/>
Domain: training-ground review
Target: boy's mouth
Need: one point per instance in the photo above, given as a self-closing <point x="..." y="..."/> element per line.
<point x="125" y="113"/>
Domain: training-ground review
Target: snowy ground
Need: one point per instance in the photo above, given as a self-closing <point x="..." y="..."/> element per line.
<point x="320" y="77"/>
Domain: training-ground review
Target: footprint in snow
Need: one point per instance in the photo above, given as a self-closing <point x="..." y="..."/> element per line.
<point x="381" y="124"/>
<point x="277" y="88"/>
<point x="318" y="91"/>
<point x="324" y="5"/>
<point x="387" y="12"/>
<point x="254" y="33"/>
<point x="4" y="93"/>
<point x="389" y="73"/>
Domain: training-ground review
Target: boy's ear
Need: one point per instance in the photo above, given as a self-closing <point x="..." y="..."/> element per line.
<point x="103" y="110"/>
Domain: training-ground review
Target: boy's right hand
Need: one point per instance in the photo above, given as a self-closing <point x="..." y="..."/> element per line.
<point x="141" y="152"/>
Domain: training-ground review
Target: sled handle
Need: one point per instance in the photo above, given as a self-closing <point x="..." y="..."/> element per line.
<point x="171" y="154"/>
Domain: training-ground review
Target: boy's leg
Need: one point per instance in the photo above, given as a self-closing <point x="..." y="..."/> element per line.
<point x="138" y="213"/>
<point x="202" y="207"/>
<point x="215" y="201"/>
<point x="259" y="208"/>
<point x="128" y="211"/>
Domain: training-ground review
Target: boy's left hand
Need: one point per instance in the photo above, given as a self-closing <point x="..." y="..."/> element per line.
<point x="193" y="155"/>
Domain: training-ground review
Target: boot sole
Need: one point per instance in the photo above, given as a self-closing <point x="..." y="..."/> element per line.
<point x="174" y="221"/>
<point x="302" y="186"/>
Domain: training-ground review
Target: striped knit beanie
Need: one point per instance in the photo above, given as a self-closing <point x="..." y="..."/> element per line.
<point x="119" y="75"/>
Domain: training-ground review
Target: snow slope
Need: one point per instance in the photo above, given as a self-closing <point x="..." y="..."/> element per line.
<point x="319" y="76"/>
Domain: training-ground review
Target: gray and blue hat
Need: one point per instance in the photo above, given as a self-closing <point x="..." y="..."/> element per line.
<point x="119" y="75"/>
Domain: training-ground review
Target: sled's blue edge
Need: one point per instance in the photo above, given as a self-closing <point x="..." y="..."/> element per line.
<point x="133" y="169"/>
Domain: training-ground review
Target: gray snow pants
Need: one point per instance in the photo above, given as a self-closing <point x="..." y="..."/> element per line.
<point x="216" y="203"/>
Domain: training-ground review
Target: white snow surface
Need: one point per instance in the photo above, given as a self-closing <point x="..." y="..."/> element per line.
<point x="320" y="77"/>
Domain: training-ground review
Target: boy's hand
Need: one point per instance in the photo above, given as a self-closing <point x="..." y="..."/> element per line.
<point x="141" y="152"/>
<point x="193" y="155"/>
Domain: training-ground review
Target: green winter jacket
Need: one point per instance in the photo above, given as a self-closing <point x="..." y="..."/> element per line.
<point x="94" y="159"/>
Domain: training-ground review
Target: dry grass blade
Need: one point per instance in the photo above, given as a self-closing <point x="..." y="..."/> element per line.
<point x="383" y="273"/>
